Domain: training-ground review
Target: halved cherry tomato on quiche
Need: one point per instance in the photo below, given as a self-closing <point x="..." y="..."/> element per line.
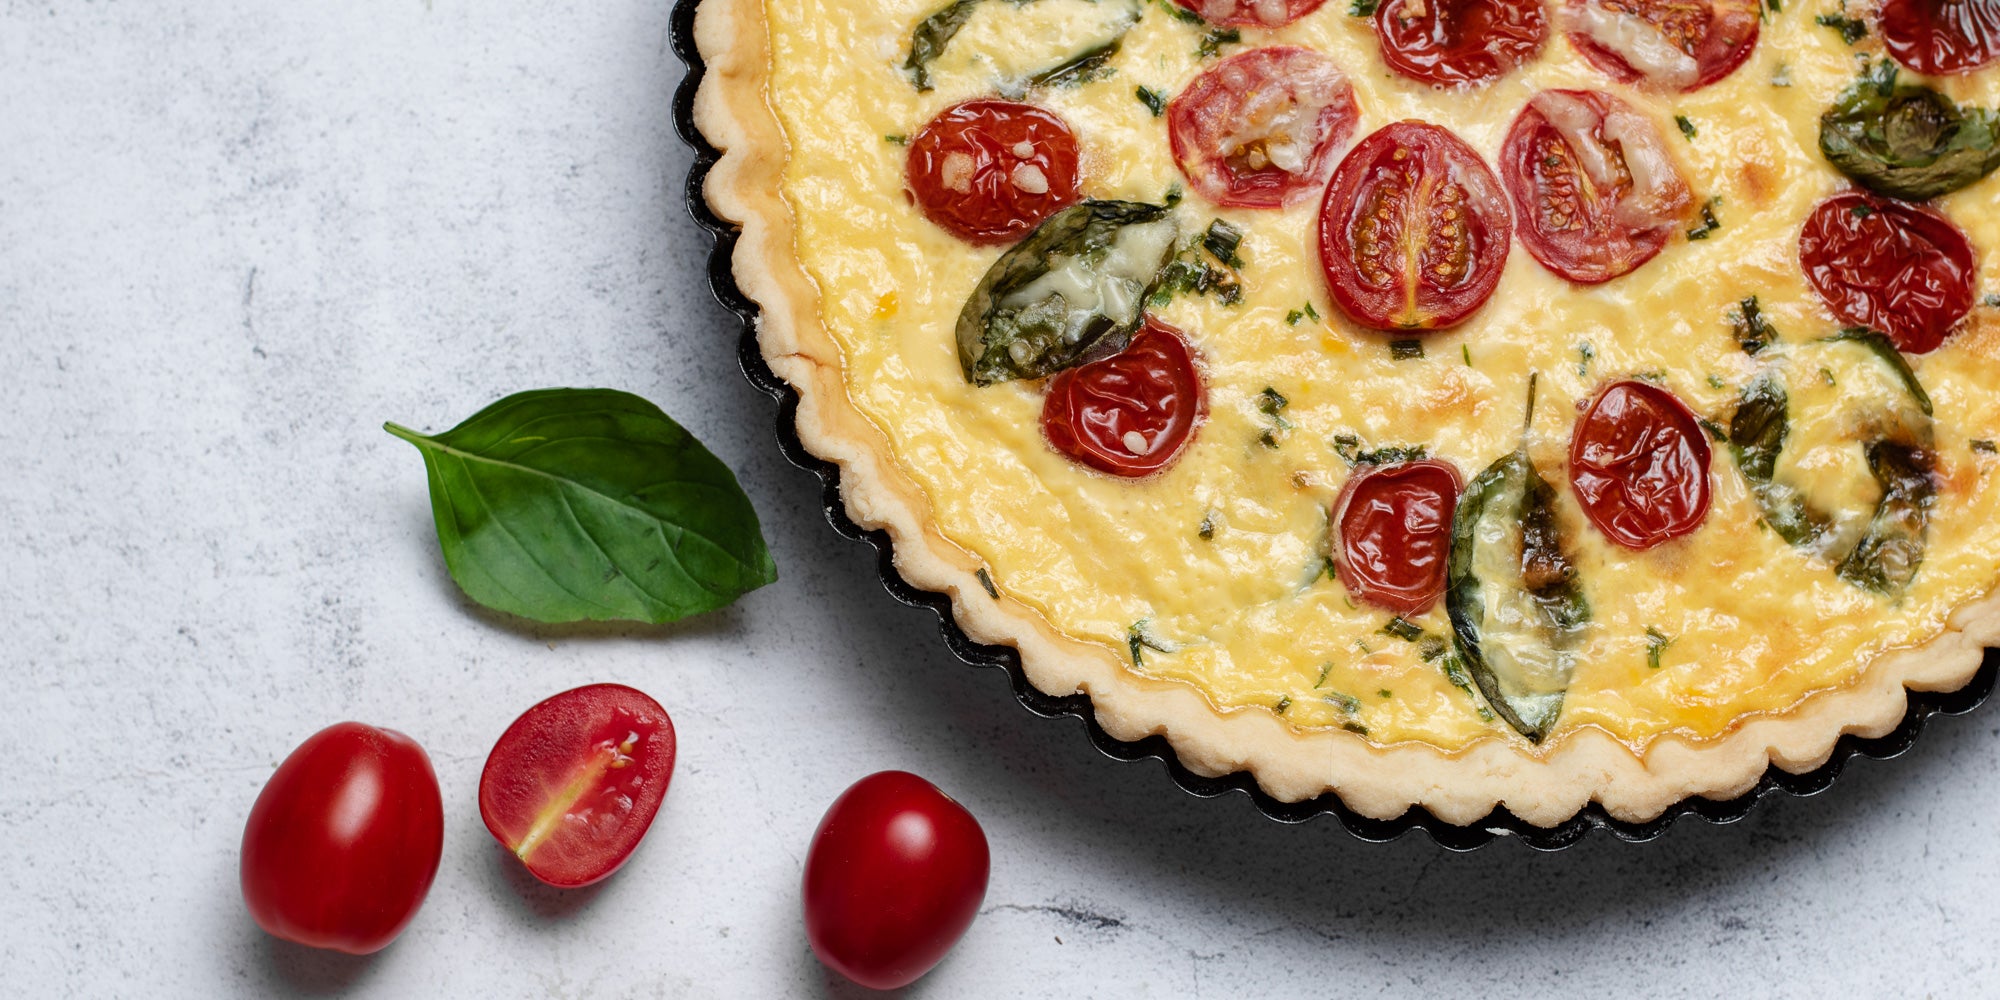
<point x="990" y="170"/>
<point x="576" y="780"/>
<point x="1937" y="37"/>
<point x="1664" y="45"/>
<point x="1889" y="265"/>
<point x="1414" y="230"/>
<point x="1595" y="191"/>
<point x="1130" y="414"/>
<point x="1392" y="526"/>
<point x="1638" y="461"/>
<point x="1457" y="43"/>
<point x="1251" y="13"/>
<point x="1260" y="128"/>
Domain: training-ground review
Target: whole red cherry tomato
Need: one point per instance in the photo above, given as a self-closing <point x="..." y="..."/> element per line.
<point x="1459" y="43"/>
<point x="1259" y="129"/>
<point x="1889" y="265"/>
<point x="1393" y="531"/>
<point x="990" y="170"/>
<point x="1638" y="462"/>
<point x="1595" y="191"/>
<point x="344" y="840"/>
<point x="1414" y="230"/>
<point x="576" y="780"/>
<point x="1251" y="13"/>
<point x="1936" y="37"/>
<point x="895" y="875"/>
<point x="1664" y="44"/>
<point x="1129" y="414"/>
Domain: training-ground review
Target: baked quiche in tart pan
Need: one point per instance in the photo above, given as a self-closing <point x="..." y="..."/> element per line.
<point x="1473" y="414"/>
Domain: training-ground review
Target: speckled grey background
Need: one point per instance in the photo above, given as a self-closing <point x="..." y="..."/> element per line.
<point x="236" y="236"/>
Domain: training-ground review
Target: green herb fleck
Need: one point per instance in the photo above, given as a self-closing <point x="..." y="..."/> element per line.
<point x="1385" y="693"/>
<point x="1715" y="382"/>
<point x="1465" y="351"/>
<point x="1180" y="13"/>
<point x="1355" y="728"/>
<point x="1430" y="648"/>
<point x="1827" y="375"/>
<point x="1348" y="704"/>
<point x="1774" y="6"/>
<point x="1173" y="196"/>
<point x="1284" y="703"/>
<point x="1402" y="628"/>
<point x="1311" y="313"/>
<point x="1991" y="302"/>
<point x="1709" y="223"/>
<point x="986" y="580"/>
<point x="1687" y="127"/>
<point x="1753" y="331"/>
<point x="1363" y="647"/>
<point x="896" y="140"/>
<point x="1141" y="637"/>
<point x="1782" y="77"/>
<point x="1152" y="100"/>
<point x="1292" y="318"/>
<point x="1584" y="354"/>
<point x="1851" y="30"/>
<point x="1214" y="40"/>
<point x="1656" y="643"/>
<point x="1390" y="455"/>
<point x="1345" y="445"/>
<point x="1714" y="429"/>
<point x="1984" y="446"/>
<point x="1405" y="350"/>
<point x="1363" y="8"/>
<point x="1862" y="211"/>
<point x="1271" y="403"/>
<point x="1223" y="240"/>
<point x="1207" y="529"/>
<point x="1323" y="671"/>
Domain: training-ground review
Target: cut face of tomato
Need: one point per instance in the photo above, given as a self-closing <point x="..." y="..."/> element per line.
<point x="1938" y="37"/>
<point x="1890" y="266"/>
<point x="1130" y="414"/>
<point x="1414" y="230"/>
<point x="989" y="170"/>
<point x="574" y="783"/>
<point x="1260" y="128"/>
<point x="1665" y="45"/>
<point x="1595" y="191"/>
<point x="1251" y="13"/>
<point x="1458" y="43"/>
<point x="1393" y="526"/>
<point x="1638" y="462"/>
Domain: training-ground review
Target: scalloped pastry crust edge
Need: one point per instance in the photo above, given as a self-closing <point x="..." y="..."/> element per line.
<point x="1544" y="786"/>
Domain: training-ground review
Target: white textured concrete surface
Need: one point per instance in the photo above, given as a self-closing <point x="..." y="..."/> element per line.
<point x="236" y="236"/>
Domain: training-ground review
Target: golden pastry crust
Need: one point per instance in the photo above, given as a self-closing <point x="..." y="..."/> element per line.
<point x="1543" y="785"/>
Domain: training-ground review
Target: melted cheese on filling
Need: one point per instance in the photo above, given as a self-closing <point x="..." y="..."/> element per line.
<point x="1254" y="621"/>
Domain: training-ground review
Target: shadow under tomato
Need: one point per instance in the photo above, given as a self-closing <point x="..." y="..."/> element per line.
<point x="315" y="971"/>
<point x="544" y="901"/>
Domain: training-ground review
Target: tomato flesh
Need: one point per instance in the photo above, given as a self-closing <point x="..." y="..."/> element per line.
<point x="1938" y="37"/>
<point x="1260" y="128"/>
<point x="1414" y="230"/>
<point x="1707" y="39"/>
<point x="895" y="876"/>
<point x="1251" y="13"/>
<point x="1891" y="266"/>
<point x="575" y="782"/>
<point x="1393" y="525"/>
<point x="989" y="170"/>
<point x="1459" y="43"/>
<point x="1130" y="414"/>
<point x="1638" y="461"/>
<point x="344" y="840"/>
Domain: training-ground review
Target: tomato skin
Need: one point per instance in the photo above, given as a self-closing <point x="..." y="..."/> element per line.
<point x="1638" y="461"/>
<point x="1392" y="528"/>
<point x="968" y="176"/>
<point x="1413" y="184"/>
<point x="895" y="875"/>
<point x="1941" y="37"/>
<point x="344" y="840"/>
<point x="1203" y="119"/>
<point x="1459" y="43"/>
<point x="574" y="783"/>
<point x="1151" y="388"/>
<point x="1889" y="265"/>
<point x="1248" y="13"/>
<point x="1718" y="35"/>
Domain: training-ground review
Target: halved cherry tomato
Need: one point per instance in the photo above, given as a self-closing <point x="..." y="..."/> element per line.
<point x="990" y="170"/>
<point x="576" y="780"/>
<point x="1458" y="43"/>
<point x="1638" y="462"/>
<point x="1251" y="13"/>
<point x="1664" y="44"/>
<point x="344" y="840"/>
<point x="1393" y="531"/>
<point x="1414" y="230"/>
<point x="1259" y="129"/>
<point x="1936" y="37"/>
<point x="1129" y="414"/>
<point x="1889" y="265"/>
<point x="896" y="872"/>
<point x="1595" y="191"/>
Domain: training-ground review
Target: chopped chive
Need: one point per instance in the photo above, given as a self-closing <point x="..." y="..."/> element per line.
<point x="1345" y="445"/>
<point x="1465" y="351"/>
<point x="1214" y="40"/>
<point x="1355" y="727"/>
<point x="1402" y="628"/>
<point x="1709" y="223"/>
<point x="1346" y="703"/>
<point x="1430" y="648"/>
<point x="1207" y="529"/>
<point x="1284" y="703"/>
<point x="1152" y="99"/>
<point x="1585" y="354"/>
<point x="1311" y="313"/>
<point x="896" y="140"/>
<point x="1851" y="30"/>
<point x="1292" y="318"/>
<point x="1222" y="240"/>
<point x="1385" y="693"/>
<point x="1656" y="643"/>
<point x="1363" y="8"/>
<point x="1714" y="382"/>
<point x="1405" y="350"/>
<point x="1687" y="127"/>
<point x="1323" y="671"/>
<point x="1173" y="196"/>
<point x="1991" y="302"/>
<point x="1984" y="446"/>
<point x="986" y="580"/>
<point x="1827" y="375"/>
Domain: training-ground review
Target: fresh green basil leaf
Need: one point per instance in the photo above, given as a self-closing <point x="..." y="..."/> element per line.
<point x="564" y="505"/>
<point x="1756" y="438"/>
<point x="1907" y="141"/>
<point x="932" y="34"/>
<point x="1886" y="559"/>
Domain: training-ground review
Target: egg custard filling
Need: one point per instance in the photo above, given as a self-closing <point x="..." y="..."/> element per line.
<point x="1443" y="388"/>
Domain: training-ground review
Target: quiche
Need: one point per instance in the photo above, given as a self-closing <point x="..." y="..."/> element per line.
<point x="1445" y="404"/>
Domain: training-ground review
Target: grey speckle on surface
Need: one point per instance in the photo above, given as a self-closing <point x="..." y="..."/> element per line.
<point x="236" y="236"/>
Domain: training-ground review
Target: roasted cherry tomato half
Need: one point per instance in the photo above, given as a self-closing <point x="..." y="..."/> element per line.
<point x="1595" y="191"/>
<point x="1392" y="527"/>
<point x="990" y="170"/>
<point x="1251" y="13"/>
<point x="1260" y="128"/>
<point x="1129" y="414"/>
<point x="1938" y="37"/>
<point x="576" y="780"/>
<point x="344" y="840"/>
<point x="1459" y="43"/>
<point x="896" y="872"/>
<point x="1889" y="265"/>
<point x="1638" y="462"/>
<point x="1414" y="230"/>
<point x="1664" y="45"/>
